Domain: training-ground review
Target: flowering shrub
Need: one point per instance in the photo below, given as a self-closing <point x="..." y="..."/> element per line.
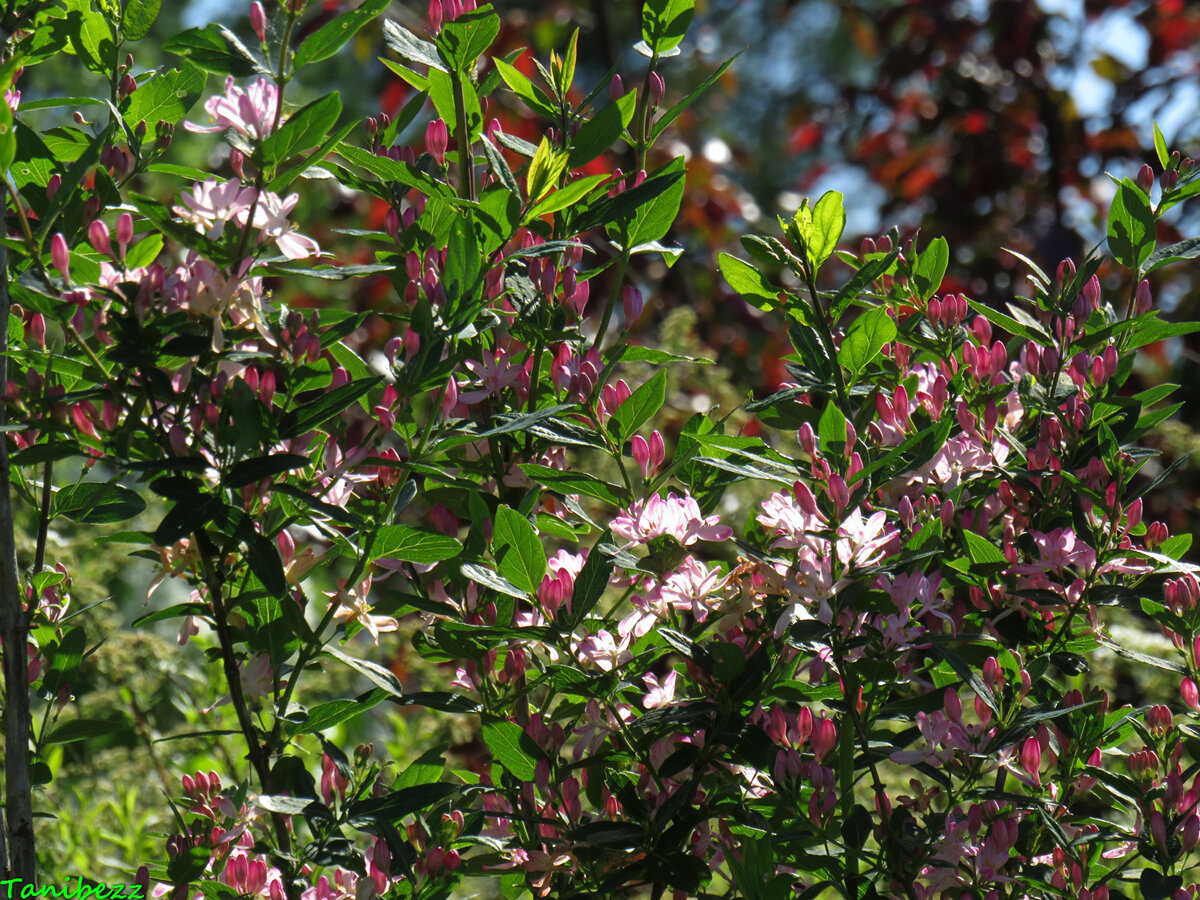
<point x="870" y="682"/>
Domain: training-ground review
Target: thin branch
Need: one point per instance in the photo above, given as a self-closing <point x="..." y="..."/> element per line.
<point x="14" y="636"/>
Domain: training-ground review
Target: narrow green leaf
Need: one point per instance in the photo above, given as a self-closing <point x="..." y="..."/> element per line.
<point x="665" y="22"/>
<point x="333" y="35"/>
<point x="865" y="339"/>
<point x="373" y="672"/>
<point x="411" y="47"/>
<point x="413" y="545"/>
<point x="1160" y="147"/>
<point x="215" y="48"/>
<point x="303" y="129"/>
<point x="521" y="557"/>
<point x="1131" y="227"/>
<point x="603" y="130"/>
<point x="930" y="267"/>
<point x="511" y="747"/>
<point x="139" y="18"/>
<point x="679" y="108"/>
<point x="96" y="503"/>
<point x="749" y="282"/>
<point x="641" y="405"/>
<point x="81" y="729"/>
<point x="467" y="37"/>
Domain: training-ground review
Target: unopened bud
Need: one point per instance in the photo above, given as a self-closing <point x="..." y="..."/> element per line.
<point x="631" y="299"/>
<point x="616" y="88"/>
<point x="1145" y="179"/>
<point x="658" y="88"/>
<point x="59" y="255"/>
<point x="258" y="21"/>
<point x="99" y="238"/>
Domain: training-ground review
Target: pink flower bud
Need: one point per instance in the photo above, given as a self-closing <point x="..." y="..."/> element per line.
<point x="631" y="299"/>
<point x="37" y="330"/>
<point x="59" y="256"/>
<point x="437" y="138"/>
<point x="124" y="231"/>
<point x="1031" y="758"/>
<point x="1143" y="301"/>
<point x="435" y="14"/>
<point x="53" y="185"/>
<point x="127" y="86"/>
<point x="658" y="88"/>
<point x="807" y="439"/>
<point x="258" y="21"/>
<point x="449" y="398"/>
<point x="824" y="737"/>
<point x="1066" y="271"/>
<point x="640" y="450"/>
<point x="99" y="238"/>
<point x="1145" y="179"/>
<point x="616" y="88"/>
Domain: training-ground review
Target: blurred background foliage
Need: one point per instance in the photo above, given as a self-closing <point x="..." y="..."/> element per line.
<point x="994" y="124"/>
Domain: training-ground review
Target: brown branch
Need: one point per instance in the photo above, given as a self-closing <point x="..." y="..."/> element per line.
<point x="14" y="637"/>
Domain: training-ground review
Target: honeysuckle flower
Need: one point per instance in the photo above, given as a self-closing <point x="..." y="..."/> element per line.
<point x="679" y="517"/>
<point x="493" y="374"/>
<point x="353" y="607"/>
<point x="659" y="694"/>
<point x="250" y="112"/>
<point x="212" y="204"/>
<point x="271" y="219"/>
<point x="690" y="585"/>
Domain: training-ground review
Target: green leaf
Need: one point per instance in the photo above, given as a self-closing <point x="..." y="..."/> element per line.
<point x="81" y="729"/>
<point x="665" y="22"/>
<point x="603" y="130"/>
<point x="749" y="282"/>
<point x="373" y="672"/>
<point x="641" y="405"/>
<point x="667" y="181"/>
<point x="865" y="339"/>
<point x="304" y="128"/>
<point x="575" y="483"/>
<point x="464" y="39"/>
<point x="511" y="747"/>
<point x="519" y="84"/>
<point x="660" y="125"/>
<point x="139" y="18"/>
<point x="1009" y="324"/>
<point x="249" y="471"/>
<point x="521" y="559"/>
<point x="1185" y="249"/>
<point x="593" y="578"/>
<point x="829" y="221"/>
<point x="265" y="563"/>
<point x="982" y="552"/>
<point x="485" y="577"/>
<point x="216" y="49"/>
<point x="96" y="503"/>
<point x="653" y="218"/>
<point x="335" y="712"/>
<point x="1160" y="147"/>
<point x="332" y="36"/>
<point x="500" y="168"/>
<point x="548" y="164"/>
<point x="930" y="268"/>
<point x="1131" y="227"/>
<point x="413" y="545"/>
<point x="391" y="170"/>
<point x="867" y="272"/>
<point x="831" y="429"/>
<point x="566" y="196"/>
<point x="310" y="415"/>
<point x="411" y="47"/>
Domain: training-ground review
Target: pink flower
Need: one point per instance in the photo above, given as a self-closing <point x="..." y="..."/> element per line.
<point x="677" y="516"/>
<point x="250" y="112"/>
<point x="689" y="586"/>
<point x="211" y="204"/>
<point x="659" y="694"/>
<point x="353" y="607"/>
<point x="270" y="218"/>
<point x="494" y="374"/>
